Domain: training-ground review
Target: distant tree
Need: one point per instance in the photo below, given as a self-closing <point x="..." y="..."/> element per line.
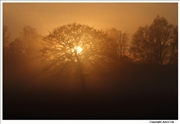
<point x="151" y="44"/>
<point x="24" y="47"/>
<point x="6" y="36"/>
<point x="16" y="51"/>
<point x="120" y="38"/>
<point x="77" y="48"/>
<point x="31" y="39"/>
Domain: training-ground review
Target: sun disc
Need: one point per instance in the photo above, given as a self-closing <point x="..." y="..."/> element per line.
<point x="78" y="49"/>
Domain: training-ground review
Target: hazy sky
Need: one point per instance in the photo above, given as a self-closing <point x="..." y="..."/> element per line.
<point x="123" y="16"/>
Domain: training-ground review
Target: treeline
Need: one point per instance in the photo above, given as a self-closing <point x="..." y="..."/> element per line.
<point x="155" y="44"/>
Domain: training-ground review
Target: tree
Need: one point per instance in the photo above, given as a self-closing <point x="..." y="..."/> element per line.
<point x="120" y="39"/>
<point x="24" y="47"/>
<point x="6" y="36"/>
<point x="151" y="44"/>
<point x="174" y="47"/>
<point x="76" y="48"/>
<point x="31" y="39"/>
<point x="140" y="47"/>
<point x="16" y="51"/>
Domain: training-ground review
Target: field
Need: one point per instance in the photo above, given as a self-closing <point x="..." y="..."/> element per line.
<point x="130" y="92"/>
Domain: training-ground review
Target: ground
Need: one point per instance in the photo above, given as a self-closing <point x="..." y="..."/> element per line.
<point x="130" y="92"/>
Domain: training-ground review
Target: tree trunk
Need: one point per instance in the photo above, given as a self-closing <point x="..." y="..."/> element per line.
<point x="80" y="73"/>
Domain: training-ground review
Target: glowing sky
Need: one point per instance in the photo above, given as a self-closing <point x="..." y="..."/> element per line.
<point x="123" y="16"/>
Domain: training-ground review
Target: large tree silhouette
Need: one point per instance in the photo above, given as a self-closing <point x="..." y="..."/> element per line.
<point x="153" y="44"/>
<point x="77" y="49"/>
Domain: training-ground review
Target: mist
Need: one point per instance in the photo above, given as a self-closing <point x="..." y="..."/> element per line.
<point x="87" y="68"/>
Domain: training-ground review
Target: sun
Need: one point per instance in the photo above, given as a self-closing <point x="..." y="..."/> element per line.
<point x="78" y="49"/>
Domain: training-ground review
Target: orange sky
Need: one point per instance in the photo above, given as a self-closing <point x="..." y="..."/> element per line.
<point x="123" y="16"/>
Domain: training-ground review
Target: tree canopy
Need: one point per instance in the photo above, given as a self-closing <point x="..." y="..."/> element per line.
<point x="22" y="48"/>
<point x="121" y="40"/>
<point x="153" y="44"/>
<point x="77" y="48"/>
